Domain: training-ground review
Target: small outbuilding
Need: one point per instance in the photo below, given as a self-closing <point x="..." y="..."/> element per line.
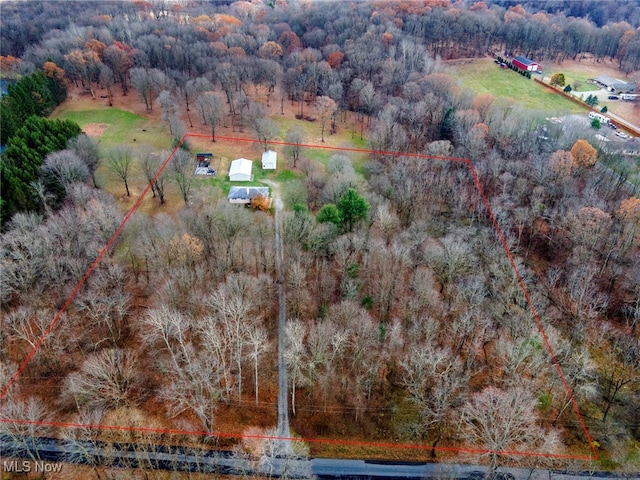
<point x="240" y="170"/>
<point x="244" y="195"/>
<point x="269" y="159"/>
<point x="525" y="64"/>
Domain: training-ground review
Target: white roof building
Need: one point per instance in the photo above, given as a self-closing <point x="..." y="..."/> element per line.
<point x="269" y="159"/>
<point x="240" y="170"/>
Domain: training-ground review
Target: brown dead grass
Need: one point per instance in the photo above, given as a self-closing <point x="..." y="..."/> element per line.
<point x="95" y="129"/>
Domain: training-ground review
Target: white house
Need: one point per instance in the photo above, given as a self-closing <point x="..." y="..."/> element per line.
<point x="269" y="159"/>
<point x="240" y="170"/>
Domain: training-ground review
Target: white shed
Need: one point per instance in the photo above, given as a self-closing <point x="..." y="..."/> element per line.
<point x="240" y="170"/>
<point x="269" y="159"/>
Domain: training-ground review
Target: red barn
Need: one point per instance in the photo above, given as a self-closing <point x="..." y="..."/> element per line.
<point x="525" y="64"/>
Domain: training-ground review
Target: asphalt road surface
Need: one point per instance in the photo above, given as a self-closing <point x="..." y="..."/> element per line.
<point x="161" y="457"/>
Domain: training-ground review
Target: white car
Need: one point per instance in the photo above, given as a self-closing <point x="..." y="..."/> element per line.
<point x="622" y="135"/>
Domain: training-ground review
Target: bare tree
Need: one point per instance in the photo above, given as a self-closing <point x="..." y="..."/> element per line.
<point x="284" y="459"/>
<point x="504" y="421"/>
<point x="232" y="303"/>
<point x="82" y="443"/>
<point x="107" y="302"/>
<point x="452" y="261"/>
<point x="585" y="300"/>
<point x="182" y="167"/>
<point x="24" y="422"/>
<point x="150" y="163"/>
<point x="385" y="266"/>
<point x="294" y="353"/>
<point x="86" y="148"/>
<point x="119" y="162"/>
<point x="435" y="380"/>
<point x="27" y="326"/>
<point x="191" y="90"/>
<point x="620" y="368"/>
<point x="61" y="170"/>
<point x="295" y="136"/>
<point x="196" y="388"/>
<point x="142" y="83"/>
<point x="212" y="108"/>
<point x="325" y="109"/>
<point x="258" y="342"/>
<point x="169" y="105"/>
<point x="105" y="379"/>
<point x="263" y="126"/>
<point x="171" y="328"/>
<point x="107" y="80"/>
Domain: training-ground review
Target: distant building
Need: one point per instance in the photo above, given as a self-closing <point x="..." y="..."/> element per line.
<point x="613" y="84"/>
<point x="244" y="195"/>
<point x="269" y="159"/>
<point x="524" y="63"/>
<point x="203" y="164"/>
<point x="204" y="158"/>
<point x="240" y="170"/>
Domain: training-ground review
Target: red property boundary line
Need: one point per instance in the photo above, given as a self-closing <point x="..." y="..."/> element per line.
<point x="135" y="206"/>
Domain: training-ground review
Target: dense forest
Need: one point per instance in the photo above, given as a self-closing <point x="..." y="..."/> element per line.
<point x="405" y="318"/>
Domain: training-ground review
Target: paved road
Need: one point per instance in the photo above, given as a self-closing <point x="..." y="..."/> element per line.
<point x="173" y="458"/>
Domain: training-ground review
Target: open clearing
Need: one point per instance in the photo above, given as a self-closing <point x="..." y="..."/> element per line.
<point x="114" y="126"/>
<point x="484" y="76"/>
<point x="128" y="123"/>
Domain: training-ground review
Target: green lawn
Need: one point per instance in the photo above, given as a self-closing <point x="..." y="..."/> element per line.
<point x="122" y="127"/>
<point x="484" y="76"/>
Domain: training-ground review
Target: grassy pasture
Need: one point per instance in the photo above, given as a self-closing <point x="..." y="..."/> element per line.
<point x="484" y="76"/>
<point x="120" y="126"/>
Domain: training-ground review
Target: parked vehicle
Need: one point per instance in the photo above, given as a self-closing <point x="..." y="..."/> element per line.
<point x="613" y="97"/>
<point x="600" y="117"/>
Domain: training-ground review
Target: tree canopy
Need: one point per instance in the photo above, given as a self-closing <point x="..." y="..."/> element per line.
<point x="23" y="157"/>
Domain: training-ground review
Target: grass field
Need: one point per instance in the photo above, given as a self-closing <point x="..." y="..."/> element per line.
<point x="120" y="126"/>
<point x="484" y="76"/>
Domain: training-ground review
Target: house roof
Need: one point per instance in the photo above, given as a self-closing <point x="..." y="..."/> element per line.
<point x="525" y="60"/>
<point x="241" y="166"/>
<point x="247" y="193"/>
<point x="614" y="82"/>
<point x="269" y="157"/>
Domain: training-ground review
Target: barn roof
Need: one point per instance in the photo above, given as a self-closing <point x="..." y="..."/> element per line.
<point x="525" y="60"/>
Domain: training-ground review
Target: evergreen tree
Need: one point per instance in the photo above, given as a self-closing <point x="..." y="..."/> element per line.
<point x="329" y="213"/>
<point x="35" y="94"/>
<point x="353" y="208"/>
<point x="23" y="157"/>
